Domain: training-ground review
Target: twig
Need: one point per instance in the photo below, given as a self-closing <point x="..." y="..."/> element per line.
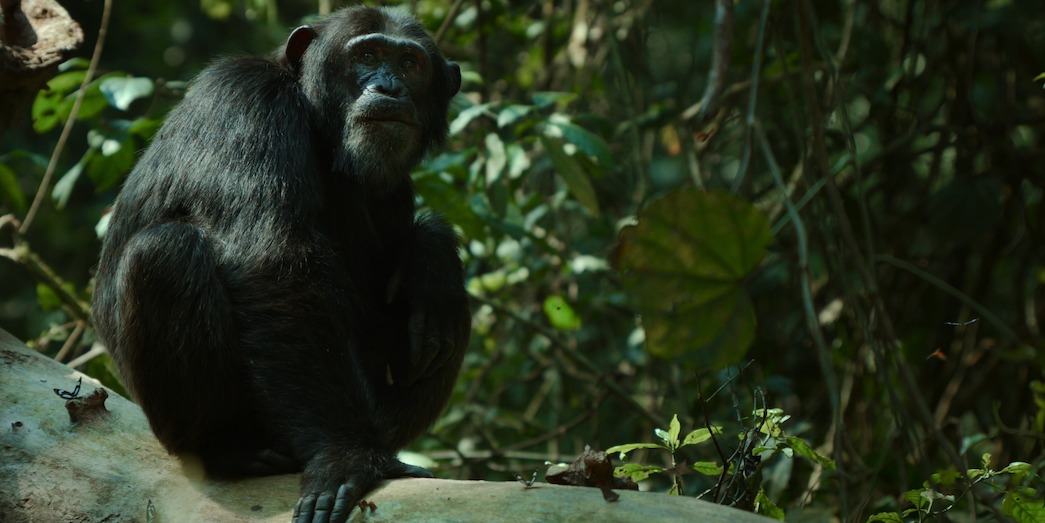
<point x="67" y="130"/>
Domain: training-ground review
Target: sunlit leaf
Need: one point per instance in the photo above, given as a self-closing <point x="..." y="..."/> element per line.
<point x="63" y="188"/>
<point x="511" y="114"/>
<point x="674" y="429"/>
<point x="560" y="314"/>
<point x="121" y="92"/>
<point x="1017" y="467"/>
<point x="636" y="471"/>
<point x="626" y="448"/>
<point x="708" y="468"/>
<point x="700" y="435"/>
<point x="466" y="116"/>
<point x="1024" y="505"/>
<point x="496" y="158"/>
<point x="803" y="449"/>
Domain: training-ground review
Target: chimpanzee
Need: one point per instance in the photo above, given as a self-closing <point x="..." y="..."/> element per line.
<point x="271" y="296"/>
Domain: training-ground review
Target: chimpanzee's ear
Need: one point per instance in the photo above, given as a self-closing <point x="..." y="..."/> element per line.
<point x="298" y="42"/>
<point x="453" y="74"/>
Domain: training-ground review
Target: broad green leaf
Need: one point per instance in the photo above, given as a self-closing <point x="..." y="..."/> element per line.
<point x="684" y="265"/>
<point x="674" y="429"/>
<point x="803" y="449"/>
<point x="121" y="92"/>
<point x="588" y="142"/>
<point x="511" y="114"/>
<point x="547" y="98"/>
<point x="46" y="298"/>
<point x="10" y="191"/>
<point x="885" y="517"/>
<point x="700" y="435"/>
<point x="66" y="82"/>
<point x="63" y="188"/>
<point x="573" y="174"/>
<point x="708" y="468"/>
<point x="766" y="507"/>
<point x="628" y="447"/>
<point x="635" y="471"/>
<point x="916" y="498"/>
<point x="560" y="314"/>
<point x="466" y="116"/>
<point x="496" y="158"/>
<point x="51" y="106"/>
<point x="946" y="477"/>
<point x="1016" y="467"/>
<point x="1025" y="506"/>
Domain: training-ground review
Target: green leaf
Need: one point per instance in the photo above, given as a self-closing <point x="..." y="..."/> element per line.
<point x="1024" y="505"/>
<point x="1016" y="467"/>
<point x="803" y="449"/>
<point x="547" y="98"/>
<point x="560" y="314"/>
<point x="684" y="265"/>
<point x="916" y="498"/>
<point x="65" y="83"/>
<point x="496" y="158"/>
<point x="63" y="188"/>
<point x="573" y="174"/>
<point x="628" y="447"/>
<point x="588" y="142"/>
<point x="946" y="477"/>
<point x="10" y="191"/>
<point x="121" y="92"/>
<point x="885" y="517"/>
<point x="636" y="472"/>
<point x="766" y="507"/>
<point x="674" y="429"/>
<point x="47" y="298"/>
<point x="511" y="114"/>
<point x="466" y="116"/>
<point x="708" y="468"/>
<point x="700" y="435"/>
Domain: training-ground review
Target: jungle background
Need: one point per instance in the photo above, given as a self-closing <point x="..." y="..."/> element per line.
<point x="814" y="229"/>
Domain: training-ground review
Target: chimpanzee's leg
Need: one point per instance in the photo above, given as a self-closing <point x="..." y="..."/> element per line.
<point x="175" y="339"/>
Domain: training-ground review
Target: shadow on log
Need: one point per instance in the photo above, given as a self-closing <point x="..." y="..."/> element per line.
<point x="109" y="467"/>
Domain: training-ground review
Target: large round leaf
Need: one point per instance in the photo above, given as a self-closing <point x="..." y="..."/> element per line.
<point x="684" y="265"/>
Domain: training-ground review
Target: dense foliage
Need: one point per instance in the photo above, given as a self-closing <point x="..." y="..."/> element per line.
<point x="838" y="256"/>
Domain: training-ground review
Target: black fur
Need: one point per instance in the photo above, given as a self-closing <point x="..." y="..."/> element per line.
<point x="266" y="287"/>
